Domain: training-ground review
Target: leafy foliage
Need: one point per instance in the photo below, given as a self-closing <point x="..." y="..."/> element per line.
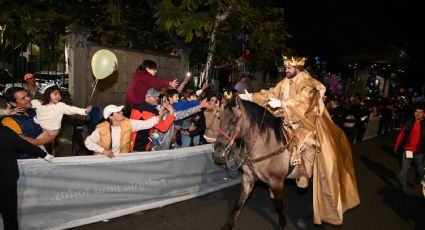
<point x="125" y="23"/>
<point x="153" y="24"/>
<point x="194" y="20"/>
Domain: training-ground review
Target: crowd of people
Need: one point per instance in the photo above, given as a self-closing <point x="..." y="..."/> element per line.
<point x="164" y="115"/>
<point x="352" y="113"/>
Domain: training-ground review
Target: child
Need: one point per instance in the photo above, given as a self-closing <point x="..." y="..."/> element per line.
<point x="156" y="136"/>
<point x="50" y="111"/>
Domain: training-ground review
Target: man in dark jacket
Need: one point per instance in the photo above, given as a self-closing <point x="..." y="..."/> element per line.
<point x="411" y="141"/>
<point x="10" y="144"/>
<point x="22" y="123"/>
<point x="140" y="139"/>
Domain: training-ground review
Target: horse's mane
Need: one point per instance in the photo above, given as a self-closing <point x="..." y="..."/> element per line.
<point x="260" y="117"/>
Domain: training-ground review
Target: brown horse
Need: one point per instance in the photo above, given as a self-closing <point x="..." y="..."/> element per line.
<point x="252" y="138"/>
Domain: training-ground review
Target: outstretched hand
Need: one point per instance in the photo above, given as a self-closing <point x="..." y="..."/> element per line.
<point x="204" y="104"/>
<point x="246" y="96"/>
<point x="14" y="111"/>
<point x="88" y="109"/>
<point x="173" y="84"/>
<point x="274" y="103"/>
<point x="205" y="86"/>
<point x="186" y="79"/>
<point x="169" y="107"/>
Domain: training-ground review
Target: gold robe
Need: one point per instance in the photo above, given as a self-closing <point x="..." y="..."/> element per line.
<point x="334" y="180"/>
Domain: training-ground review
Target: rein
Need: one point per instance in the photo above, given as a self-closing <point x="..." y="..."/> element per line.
<point x="251" y="163"/>
<point x="248" y="161"/>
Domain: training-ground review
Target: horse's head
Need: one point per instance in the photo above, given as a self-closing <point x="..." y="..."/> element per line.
<point x="230" y="132"/>
<point x="242" y="124"/>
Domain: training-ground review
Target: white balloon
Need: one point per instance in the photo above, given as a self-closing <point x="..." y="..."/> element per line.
<point x="103" y="63"/>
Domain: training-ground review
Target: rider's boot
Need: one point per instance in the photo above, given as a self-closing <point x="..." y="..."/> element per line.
<point x="302" y="180"/>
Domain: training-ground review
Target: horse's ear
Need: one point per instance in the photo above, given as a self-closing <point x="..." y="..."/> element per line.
<point x="238" y="102"/>
<point x="238" y="108"/>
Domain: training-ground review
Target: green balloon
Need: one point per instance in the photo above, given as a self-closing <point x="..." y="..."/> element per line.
<point x="103" y="64"/>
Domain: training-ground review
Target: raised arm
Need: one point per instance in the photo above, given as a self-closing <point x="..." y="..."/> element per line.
<point x="71" y="110"/>
<point x="137" y="125"/>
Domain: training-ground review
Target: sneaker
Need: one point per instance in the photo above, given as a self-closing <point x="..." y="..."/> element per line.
<point x="154" y="139"/>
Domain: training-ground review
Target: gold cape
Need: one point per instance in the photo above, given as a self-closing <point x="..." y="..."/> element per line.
<point x="334" y="180"/>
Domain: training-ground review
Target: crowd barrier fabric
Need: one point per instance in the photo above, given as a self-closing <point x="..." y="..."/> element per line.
<point x="73" y="191"/>
<point x="372" y="128"/>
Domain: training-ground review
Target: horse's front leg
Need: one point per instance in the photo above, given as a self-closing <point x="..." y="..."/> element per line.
<point x="247" y="183"/>
<point x="278" y="192"/>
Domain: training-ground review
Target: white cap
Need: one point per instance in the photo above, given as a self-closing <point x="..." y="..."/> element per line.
<point x="110" y="109"/>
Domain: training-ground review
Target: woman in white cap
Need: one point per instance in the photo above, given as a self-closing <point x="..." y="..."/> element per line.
<point x="113" y="136"/>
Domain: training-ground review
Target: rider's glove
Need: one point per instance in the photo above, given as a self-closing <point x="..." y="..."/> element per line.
<point x="246" y="96"/>
<point x="274" y="103"/>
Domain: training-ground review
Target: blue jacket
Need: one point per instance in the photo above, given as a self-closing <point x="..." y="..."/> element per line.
<point x="183" y="105"/>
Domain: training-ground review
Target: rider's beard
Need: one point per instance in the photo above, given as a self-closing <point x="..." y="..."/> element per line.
<point x="290" y="75"/>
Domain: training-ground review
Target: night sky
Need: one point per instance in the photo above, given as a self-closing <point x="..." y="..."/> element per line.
<point x="335" y="30"/>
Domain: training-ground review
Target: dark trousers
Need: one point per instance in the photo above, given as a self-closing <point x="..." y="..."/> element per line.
<point x="405" y="163"/>
<point x="9" y="207"/>
<point x="384" y="126"/>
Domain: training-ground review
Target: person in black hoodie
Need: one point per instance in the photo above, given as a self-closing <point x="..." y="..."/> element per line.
<point x="10" y="144"/>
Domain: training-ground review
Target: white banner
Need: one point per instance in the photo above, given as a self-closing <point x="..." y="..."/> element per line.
<point x="73" y="191"/>
<point x="372" y="128"/>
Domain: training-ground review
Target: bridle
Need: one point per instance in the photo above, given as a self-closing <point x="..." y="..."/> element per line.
<point x="230" y="138"/>
<point x="245" y="160"/>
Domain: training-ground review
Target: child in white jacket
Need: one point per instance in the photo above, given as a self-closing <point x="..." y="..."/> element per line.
<point x="50" y="111"/>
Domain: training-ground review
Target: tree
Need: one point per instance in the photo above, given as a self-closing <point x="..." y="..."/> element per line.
<point x="224" y="20"/>
<point x="124" y="23"/>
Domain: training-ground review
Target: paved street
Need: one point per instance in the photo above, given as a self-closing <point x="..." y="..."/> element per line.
<point x="383" y="204"/>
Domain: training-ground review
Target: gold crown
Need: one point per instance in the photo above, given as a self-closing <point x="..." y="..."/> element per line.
<point x="294" y="61"/>
<point x="228" y="95"/>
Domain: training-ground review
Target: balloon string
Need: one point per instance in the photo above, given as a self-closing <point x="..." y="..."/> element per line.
<point x="94" y="88"/>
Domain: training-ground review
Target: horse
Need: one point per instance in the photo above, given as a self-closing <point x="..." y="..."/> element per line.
<point x="252" y="138"/>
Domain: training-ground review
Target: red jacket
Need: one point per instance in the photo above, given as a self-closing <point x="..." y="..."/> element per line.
<point x="411" y="137"/>
<point x="142" y="81"/>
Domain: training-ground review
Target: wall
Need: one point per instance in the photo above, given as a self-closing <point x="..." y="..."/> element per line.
<point x="112" y="89"/>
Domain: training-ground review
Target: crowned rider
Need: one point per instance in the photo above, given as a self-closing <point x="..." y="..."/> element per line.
<point x="318" y="147"/>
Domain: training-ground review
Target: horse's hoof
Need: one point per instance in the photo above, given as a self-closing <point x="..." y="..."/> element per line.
<point x="301" y="223"/>
<point x="226" y="227"/>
